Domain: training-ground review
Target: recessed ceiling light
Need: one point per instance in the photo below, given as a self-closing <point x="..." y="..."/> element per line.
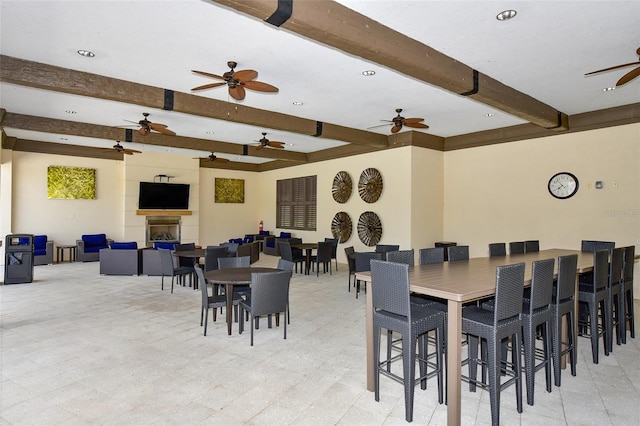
<point x="505" y="15"/>
<point x="490" y="114"/>
<point x="608" y="89"/>
<point x="86" y="53"/>
<point x="69" y="111"/>
<point x="298" y="103"/>
<point x="64" y="139"/>
<point x="209" y="132"/>
<point x="368" y="73"/>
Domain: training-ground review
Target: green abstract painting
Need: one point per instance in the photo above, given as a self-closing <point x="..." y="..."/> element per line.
<point x="71" y="183"/>
<point x="229" y="190"/>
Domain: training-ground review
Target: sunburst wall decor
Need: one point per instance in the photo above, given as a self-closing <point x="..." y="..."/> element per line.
<point x="369" y="228"/>
<point x="341" y="227"/>
<point x="342" y="187"/>
<point x="370" y="185"/>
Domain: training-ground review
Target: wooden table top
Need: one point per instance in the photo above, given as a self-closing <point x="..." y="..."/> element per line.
<point x="199" y="252"/>
<point x="305" y="246"/>
<point x="464" y="281"/>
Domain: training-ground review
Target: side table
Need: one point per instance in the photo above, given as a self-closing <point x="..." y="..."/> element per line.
<point x="60" y="252"/>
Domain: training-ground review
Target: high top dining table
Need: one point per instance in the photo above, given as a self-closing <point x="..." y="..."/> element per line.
<point x="457" y="283"/>
<point x="230" y="277"/>
<point x="308" y="248"/>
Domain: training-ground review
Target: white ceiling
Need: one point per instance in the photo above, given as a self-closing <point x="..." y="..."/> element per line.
<point x="543" y="52"/>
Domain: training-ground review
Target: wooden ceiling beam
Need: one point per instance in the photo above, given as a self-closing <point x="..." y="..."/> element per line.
<point x="75" y="128"/>
<point x="26" y="145"/>
<point x="335" y="25"/>
<point x="43" y="76"/>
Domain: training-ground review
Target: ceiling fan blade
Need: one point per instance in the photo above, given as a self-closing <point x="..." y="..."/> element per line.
<point x="162" y="128"/>
<point x="613" y="68"/>
<point x="209" y="86"/>
<point x="379" y="125"/>
<point x="628" y="76"/>
<point x="143" y="131"/>
<point x="396" y="129"/>
<point x="416" y="125"/>
<point x="276" y="144"/>
<point x="413" y="120"/>
<point x="260" y="86"/>
<point x="126" y="151"/>
<point x="221" y="160"/>
<point x="131" y="151"/>
<point x="237" y="92"/>
<point x="245" y="75"/>
<point x="207" y="74"/>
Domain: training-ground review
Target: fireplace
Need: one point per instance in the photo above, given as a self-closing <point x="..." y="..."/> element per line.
<point x="162" y="228"/>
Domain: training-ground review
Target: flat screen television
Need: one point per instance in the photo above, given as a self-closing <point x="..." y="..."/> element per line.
<point x="164" y="196"/>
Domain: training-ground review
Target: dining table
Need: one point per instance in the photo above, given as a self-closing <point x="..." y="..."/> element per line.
<point x="458" y="283"/>
<point x="308" y="248"/>
<point x="230" y="277"/>
<point x="195" y="254"/>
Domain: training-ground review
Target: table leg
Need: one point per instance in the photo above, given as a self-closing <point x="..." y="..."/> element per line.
<point x="308" y="262"/>
<point x="371" y="368"/>
<point x="229" y="293"/>
<point x="454" y="360"/>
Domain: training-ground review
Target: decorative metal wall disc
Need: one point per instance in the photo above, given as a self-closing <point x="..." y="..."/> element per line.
<point x="342" y="186"/>
<point x="341" y="227"/>
<point x="370" y="185"/>
<point x="369" y="228"/>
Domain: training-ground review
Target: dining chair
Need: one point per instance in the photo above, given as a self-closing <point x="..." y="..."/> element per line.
<point x="269" y="295"/>
<point x="215" y="301"/>
<point x="536" y="315"/>
<point x="457" y="253"/>
<point x="385" y="248"/>
<point x="497" y="249"/>
<point x="491" y="327"/>
<point x="286" y="253"/>
<point x="169" y="269"/>
<point x="211" y="256"/>
<point x="627" y="293"/>
<point x="402" y="256"/>
<point x="531" y="246"/>
<point x="614" y="294"/>
<point x="188" y="262"/>
<point x="393" y="311"/>
<point x="363" y="263"/>
<point x="334" y="252"/>
<point x="351" y="262"/>
<point x="285" y="265"/>
<point x="563" y="306"/>
<point x="593" y="298"/>
<point x="236" y="262"/>
<point x="516" y="247"/>
<point x="323" y="257"/>
<point x="431" y="255"/>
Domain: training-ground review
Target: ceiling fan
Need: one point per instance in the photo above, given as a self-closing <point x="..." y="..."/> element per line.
<point x="237" y="81"/>
<point x="147" y="126"/>
<point x="119" y="148"/>
<point x="628" y="76"/>
<point x="399" y="121"/>
<point x="264" y="142"/>
<point x="213" y="157"/>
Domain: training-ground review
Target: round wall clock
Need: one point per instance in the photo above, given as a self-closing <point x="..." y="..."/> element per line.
<point x="370" y="185"/>
<point x="341" y="227"/>
<point x="369" y="228"/>
<point x="563" y="185"/>
<point x="342" y="187"/>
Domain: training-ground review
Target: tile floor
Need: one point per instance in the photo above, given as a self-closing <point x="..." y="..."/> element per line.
<point x="77" y="348"/>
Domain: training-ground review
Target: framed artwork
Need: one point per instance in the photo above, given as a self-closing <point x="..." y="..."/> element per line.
<point x="229" y="190"/>
<point x="71" y="183"/>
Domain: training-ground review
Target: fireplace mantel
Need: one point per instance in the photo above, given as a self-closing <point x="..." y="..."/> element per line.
<point x="163" y="212"/>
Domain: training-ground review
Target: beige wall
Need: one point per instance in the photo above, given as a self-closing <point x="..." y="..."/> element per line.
<point x="221" y="221"/>
<point x="64" y="220"/>
<point x="499" y="193"/>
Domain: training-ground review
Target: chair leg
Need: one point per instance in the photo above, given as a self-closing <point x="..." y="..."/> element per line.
<point x="376" y="362"/>
<point x="201" y="315"/>
<point x="409" y="374"/>
<point x="546" y="346"/>
<point x="206" y="317"/>
<point x="517" y="363"/>
<point x="529" y="336"/>
<point x="493" y="361"/>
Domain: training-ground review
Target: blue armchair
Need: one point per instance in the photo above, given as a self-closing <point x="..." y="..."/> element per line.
<point x="42" y="250"/>
<point x="89" y="246"/>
